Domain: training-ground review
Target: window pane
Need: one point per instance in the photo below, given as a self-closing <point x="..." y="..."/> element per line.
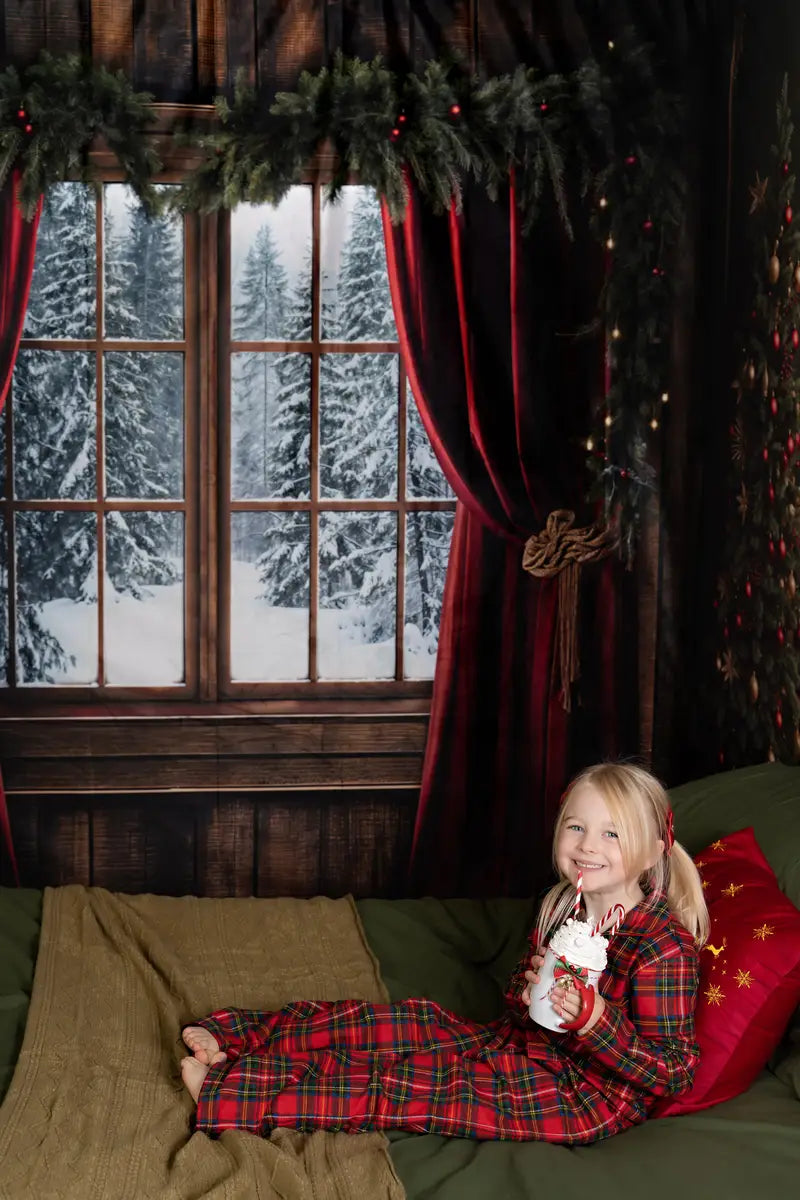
<point x="56" y="591"/>
<point x="64" y="286"/>
<point x="357" y="591"/>
<point x="144" y="425"/>
<point x="269" y="595"/>
<point x="358" y="426"/>
<point x="54" y="425"/>
<point x="143" y="269"/>
<point x="427" y="547"/>
<point x="143" y="602"/>
<point x="356" y="305"/>
<point x="424" y="477"/>
<point x="271" y="269"/>
<point x="270" y="426"/>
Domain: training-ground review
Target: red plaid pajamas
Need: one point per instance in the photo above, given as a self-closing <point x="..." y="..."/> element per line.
<point x="354" y="1066"/>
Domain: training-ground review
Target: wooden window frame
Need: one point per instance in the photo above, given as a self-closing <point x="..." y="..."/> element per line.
<point x="206" y="347"/>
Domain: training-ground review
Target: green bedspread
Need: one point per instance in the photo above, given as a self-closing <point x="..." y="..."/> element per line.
<point x="460" y="952"/>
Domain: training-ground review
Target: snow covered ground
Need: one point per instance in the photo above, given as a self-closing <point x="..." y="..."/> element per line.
<point x="144" y="639"/>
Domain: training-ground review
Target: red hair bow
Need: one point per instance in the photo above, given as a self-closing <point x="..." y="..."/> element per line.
<point x="669" y="841"/>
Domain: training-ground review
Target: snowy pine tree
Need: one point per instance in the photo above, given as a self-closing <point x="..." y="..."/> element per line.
<point x="358" y="430"/>
<point x="283" y="566"/>
<point x="258" y="314"/>
<point x="143" y="395"/>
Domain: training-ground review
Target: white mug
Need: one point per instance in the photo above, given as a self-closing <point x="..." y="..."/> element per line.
<point x="541" y="1010"/>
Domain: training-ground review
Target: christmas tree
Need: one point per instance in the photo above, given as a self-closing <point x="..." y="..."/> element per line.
<point x="759" y="637"/>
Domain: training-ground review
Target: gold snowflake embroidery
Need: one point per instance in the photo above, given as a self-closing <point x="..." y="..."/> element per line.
<point x="705" y="883"/>
<point x="742" y="503"/>
<point x="732" y="889"/>
<point x="744" y="978"/>
<point x="763" y="932"/>
<point x="717" y="845"/>
<point x="699" y="864"/>
<point x="714" y="994"/>
<point x="758" y="193"/>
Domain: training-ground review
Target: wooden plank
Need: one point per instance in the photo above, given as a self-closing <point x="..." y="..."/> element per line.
<point x="112" y="34"/>
<point x="288" y="848"/>
<point x="290" y="36"/>
<point x="504" y="35"/>
<point x="225" y="851"/>
<point x="441" y="27"/>
<point x="116" y="775"/>
<point x="241" y="35"/>
<point x="163" y="50"/>
<point x="212" y="50"/>
<point x="365" y="844"/>
<point x="63" y="843"/>
<point x="24" y="30"/>
<point x="68" y="26"/>
<point x="131" y="738"/>
<point x="118" y="847"/>
<point x="23" y="813"/>
<point x="169" y="854"/>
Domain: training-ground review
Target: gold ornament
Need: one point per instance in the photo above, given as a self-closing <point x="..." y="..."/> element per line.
<point x="774" y="269"/>
<point x="791" y="582"/>
<point x="796" y="278"/>
<point x="758" y="193"/>
<point x="750" y="372"/>
<point x="765" y="382"/>
<point x="752" y="687"/>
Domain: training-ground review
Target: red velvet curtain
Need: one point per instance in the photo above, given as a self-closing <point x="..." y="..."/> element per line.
<point x="18" y="244"/>
<point x="487" y="321"/>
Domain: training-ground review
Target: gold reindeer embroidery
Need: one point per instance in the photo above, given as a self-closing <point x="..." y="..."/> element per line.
<point x="716" y="950"/>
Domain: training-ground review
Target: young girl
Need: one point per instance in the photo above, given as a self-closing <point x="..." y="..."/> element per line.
<point x="414" y="1066"/>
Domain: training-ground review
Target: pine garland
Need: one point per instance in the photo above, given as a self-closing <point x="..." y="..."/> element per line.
<point x="52" y="111"/>
<point x="619" y="132"/>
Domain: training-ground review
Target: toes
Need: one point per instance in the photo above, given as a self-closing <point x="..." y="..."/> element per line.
<point x="219" y="1057"/>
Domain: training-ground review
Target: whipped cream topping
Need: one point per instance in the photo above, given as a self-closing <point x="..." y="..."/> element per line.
<point x="575" y="942"/>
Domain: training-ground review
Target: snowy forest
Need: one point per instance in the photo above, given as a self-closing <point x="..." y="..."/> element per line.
<point x="54" y="423"/>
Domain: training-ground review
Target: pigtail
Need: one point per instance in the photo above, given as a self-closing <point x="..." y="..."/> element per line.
<point x="557" y="905"/>
<point x="685" y="894"/>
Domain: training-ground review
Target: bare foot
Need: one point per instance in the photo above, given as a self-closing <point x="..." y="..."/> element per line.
<point x="193" y="1073"/>
<point x="203" y="1045"/>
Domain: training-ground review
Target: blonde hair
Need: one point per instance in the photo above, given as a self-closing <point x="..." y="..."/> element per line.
<point x="639" y="808"/>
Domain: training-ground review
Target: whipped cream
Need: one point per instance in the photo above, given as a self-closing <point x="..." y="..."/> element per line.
<point x="575" y="942"/>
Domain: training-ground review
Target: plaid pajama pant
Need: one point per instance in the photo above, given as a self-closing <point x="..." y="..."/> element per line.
<point x="351" y="1065"/>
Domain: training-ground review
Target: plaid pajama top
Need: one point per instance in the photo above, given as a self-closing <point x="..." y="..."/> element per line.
<point x="413" y="1065"/>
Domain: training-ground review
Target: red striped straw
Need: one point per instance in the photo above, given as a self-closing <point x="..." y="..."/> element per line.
<point x="617" y="911"/>
<point x="578" y="890"/>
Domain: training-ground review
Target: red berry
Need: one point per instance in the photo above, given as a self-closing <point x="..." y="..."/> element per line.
<point x="395" y="134"/>
<point x="782" y="548"/>
<point x="795" y="338"/>
<point x="779" y="719"/>
<point x="402" y="118"/>
<point x="21" y="114"/>
<point x="781" y="635"/>
<point x="765" y="454"/>
<point x="776" y="339"/>
<point x="630" y="161"/>
<point x="784" y="169"/>
<point x="543" y="106"/>
<point x="790" y="444"/>
<point x="771" y="546"/>
<point x="787" y="214"/>
<point x="725" y="632"/>
<point x="772" y="493"/>
<point x="738" y="620"/>
<point x="748" y="589"/>
<point x="647" y="225"/>
<point x="773" y="404"/>
<point x="455" y="110"/>
<point x="29" y="129"/>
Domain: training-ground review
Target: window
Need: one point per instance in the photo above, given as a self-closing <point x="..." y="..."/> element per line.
<point x="313" y="558"/>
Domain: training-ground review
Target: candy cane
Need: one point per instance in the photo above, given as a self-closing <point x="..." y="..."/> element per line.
<point x="618" y="912"/>
<point x="578" y="890"/>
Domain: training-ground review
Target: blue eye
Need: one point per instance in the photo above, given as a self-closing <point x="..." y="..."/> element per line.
<point x="611" y="833"/>
<point x="574" y="827"/>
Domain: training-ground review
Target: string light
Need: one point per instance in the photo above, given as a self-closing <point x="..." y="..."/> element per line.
<point x="603" y="202"/>
<point x="616" y="333"/>
<point x="611" y="45"/>
<point x="590" y="443"/>
<point x="608" y="421"/>
<point x="654" y="423"/>
<point x="609" y="243"/>
<point x="665" y="397"/>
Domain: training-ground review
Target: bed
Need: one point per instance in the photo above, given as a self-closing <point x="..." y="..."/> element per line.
<point x="459" y="952"/>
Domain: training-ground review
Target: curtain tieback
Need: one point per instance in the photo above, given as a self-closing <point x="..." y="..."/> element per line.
<point x="559" y="551"/>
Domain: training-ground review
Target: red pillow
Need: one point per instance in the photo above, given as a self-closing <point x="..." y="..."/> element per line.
<point x="749" y="972"/>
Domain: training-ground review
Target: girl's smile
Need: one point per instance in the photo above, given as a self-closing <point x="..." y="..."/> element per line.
<point x="588" y="842"/>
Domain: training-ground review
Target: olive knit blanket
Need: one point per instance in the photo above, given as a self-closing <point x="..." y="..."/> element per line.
<point x="96" y="1109"/>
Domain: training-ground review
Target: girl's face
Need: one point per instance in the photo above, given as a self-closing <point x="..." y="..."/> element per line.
<point x="588" y="841"/>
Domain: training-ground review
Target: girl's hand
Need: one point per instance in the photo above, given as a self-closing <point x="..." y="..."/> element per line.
<point x="567" y="1004"/>
<point x="532" y="976"/>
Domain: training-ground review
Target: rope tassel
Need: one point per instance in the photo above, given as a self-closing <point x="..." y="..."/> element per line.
<point x="559" y="551"/>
